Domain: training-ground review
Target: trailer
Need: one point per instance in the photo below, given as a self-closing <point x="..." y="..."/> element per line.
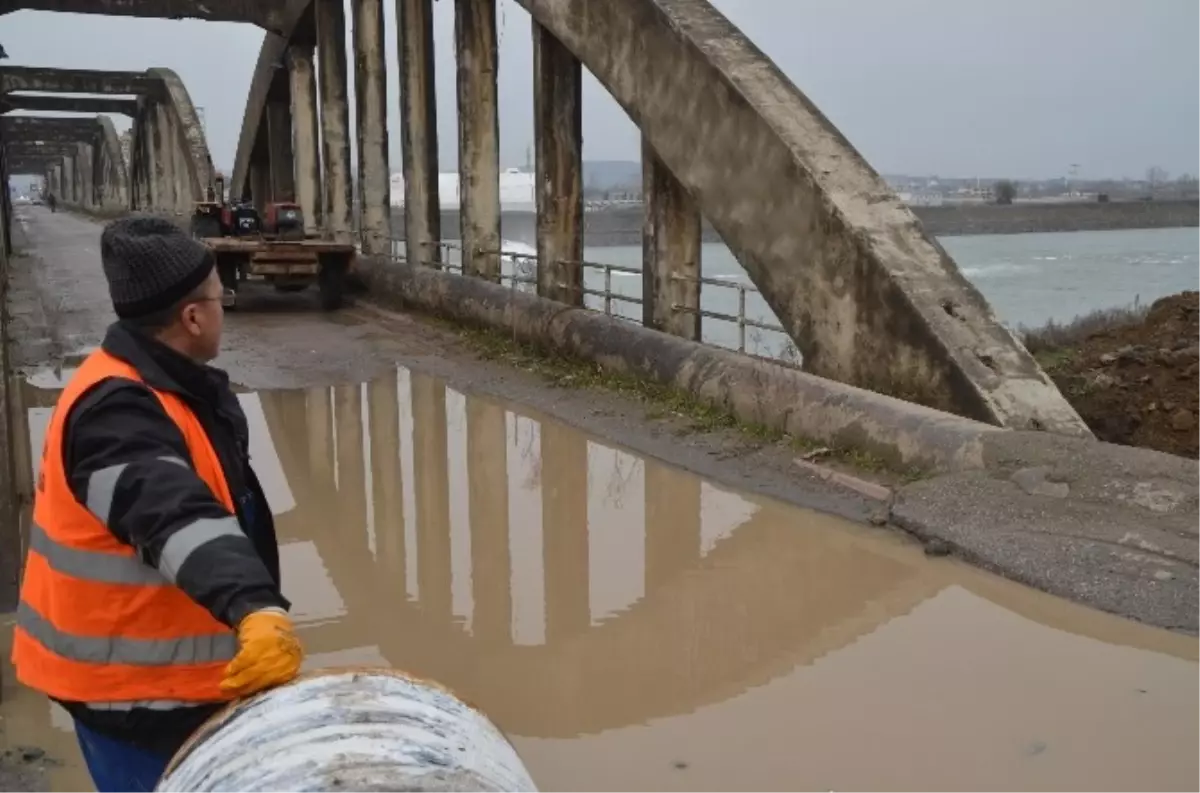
<point x="288" y="265"/>
<point x="273" y="250"/>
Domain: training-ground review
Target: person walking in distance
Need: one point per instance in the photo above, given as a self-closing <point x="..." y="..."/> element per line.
<point x="151" y="594"/>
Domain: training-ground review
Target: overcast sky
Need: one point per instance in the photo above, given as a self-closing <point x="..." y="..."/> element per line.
<point x="1017" y="88"/>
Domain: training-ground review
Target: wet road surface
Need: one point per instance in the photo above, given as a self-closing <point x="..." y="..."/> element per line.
<point x="632" y="626"/>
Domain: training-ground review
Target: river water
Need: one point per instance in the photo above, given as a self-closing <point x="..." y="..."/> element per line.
<point x="1029" y="279"/>
<point x="634" y="627"/>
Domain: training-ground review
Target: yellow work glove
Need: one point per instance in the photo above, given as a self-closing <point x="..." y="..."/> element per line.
<point x="269" y="654"/>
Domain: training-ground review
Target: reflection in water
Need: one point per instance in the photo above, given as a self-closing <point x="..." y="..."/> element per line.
<point x="634" y="627"/>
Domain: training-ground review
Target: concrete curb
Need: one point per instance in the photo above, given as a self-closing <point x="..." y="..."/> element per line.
<point x="10" y="506"/>
<point x="755" y="391"/>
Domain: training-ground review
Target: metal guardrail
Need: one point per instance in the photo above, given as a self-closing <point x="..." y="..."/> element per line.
<point x="606" y="294"/>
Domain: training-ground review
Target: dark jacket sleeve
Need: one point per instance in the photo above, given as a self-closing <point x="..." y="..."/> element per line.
<point x="128" y="463"/>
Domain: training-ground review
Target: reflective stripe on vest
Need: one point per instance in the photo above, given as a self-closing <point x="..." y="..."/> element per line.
<point x="205" y="649"/>
<point x="96" y="624"/>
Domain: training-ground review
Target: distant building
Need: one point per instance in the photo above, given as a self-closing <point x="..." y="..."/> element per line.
<point x="516" y="191"/>
<point x="921" y="198"/>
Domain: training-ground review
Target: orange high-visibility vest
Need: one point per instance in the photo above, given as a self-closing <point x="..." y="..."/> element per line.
<point x="95" y="624"/>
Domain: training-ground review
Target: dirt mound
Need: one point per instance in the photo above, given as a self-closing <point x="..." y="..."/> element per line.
<point x="1139" y="384"/>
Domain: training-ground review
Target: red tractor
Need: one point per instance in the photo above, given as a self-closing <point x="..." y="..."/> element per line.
<point x="274" y="249"/>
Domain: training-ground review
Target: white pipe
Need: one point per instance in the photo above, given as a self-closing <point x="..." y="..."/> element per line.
<point x="348" y="729"/>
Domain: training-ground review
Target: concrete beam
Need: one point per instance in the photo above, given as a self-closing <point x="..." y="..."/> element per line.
<point x="68" y="104"/>
<point x="374" y="172"/>
<point x="418" y="132"/>
<point x="867" y="296"/>
<point x="270" y="16"/>
<point x="670" y="252"/>
<point x="40" y="148"/>
<point x="335" y="118"/>
<point x="73" y="81"/>
<point x="46" y="140"/>
<point x="306" y="135"/>
<point x="478" y="136"/>
<point x="43" y="127"/>
<point x="29" y="165"/>
<point x="558" y="148"/>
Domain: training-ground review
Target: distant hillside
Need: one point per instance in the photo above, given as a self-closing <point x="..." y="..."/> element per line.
<point x="611" y="174"/>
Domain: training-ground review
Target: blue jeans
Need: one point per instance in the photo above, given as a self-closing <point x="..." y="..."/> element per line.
<point x="118" y="766"/>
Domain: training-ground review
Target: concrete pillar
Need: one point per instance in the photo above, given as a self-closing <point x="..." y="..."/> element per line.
<point x="370" y="83"/>
<point x="565" y="531"/>
<point x="558" y="148"/>
<point x="164" y="158"/>
<point x="670" y="251"/>
<point x="79" y="188"/>
<point x="306" y="136"/>
<point x="184" y="196"/>
<point x="86" y="166"/>
<point x="335" y="118"/>
<point x="147" y="144"/>
<point x="418" y="132"/>
<point x="672" y="523"/>
<point x="102" y="171"/>
<point x="279" y="141"/>
<point x="491" y="566"/>
<point x="431" y="486"/>
<point x="260" y="183"/>
<point x="478" y="136"/>
<point x="67" y="196"/>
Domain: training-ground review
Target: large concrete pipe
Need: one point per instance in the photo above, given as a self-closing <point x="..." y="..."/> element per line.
<point x="349" y="729"/>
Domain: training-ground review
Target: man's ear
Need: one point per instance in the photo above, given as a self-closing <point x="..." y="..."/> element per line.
<point x="188" y="318"/>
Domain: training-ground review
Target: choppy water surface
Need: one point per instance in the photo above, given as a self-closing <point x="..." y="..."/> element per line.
<point x="632" y="626"/>
<point x="1029" y="279"/>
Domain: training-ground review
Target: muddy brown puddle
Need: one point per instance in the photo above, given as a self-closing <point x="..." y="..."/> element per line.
<point x="633" y="627"/>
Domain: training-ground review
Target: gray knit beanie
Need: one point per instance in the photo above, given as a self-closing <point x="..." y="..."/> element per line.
<point x="151" y="264"/>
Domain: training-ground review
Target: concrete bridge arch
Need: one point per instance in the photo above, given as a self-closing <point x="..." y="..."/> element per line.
<point x="867" y="296"/>
<point x="80" y="158"/>
<point x="168" y="167"/>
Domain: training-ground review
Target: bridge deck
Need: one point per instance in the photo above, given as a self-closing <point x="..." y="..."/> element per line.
<point x="595" y="600"/>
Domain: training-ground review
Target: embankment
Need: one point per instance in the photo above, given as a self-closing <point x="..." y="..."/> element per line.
<point x="623" y="225"/>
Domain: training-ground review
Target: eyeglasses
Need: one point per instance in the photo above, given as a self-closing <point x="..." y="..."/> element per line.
<point x="225" y="298"/>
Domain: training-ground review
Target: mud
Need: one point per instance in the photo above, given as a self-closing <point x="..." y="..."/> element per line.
<point x="630" y="625"/>
<point x="1138" y="385"/>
